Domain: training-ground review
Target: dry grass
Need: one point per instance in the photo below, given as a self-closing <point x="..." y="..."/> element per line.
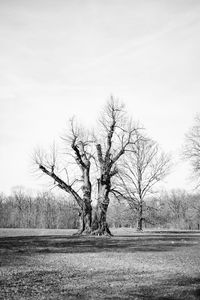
<point x="46" y="264"/>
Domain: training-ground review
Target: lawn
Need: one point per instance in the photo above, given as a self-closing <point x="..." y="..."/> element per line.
<point x="54" y="264"/>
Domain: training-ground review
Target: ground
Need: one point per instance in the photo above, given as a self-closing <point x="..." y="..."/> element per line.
<point x="54" y="264"/>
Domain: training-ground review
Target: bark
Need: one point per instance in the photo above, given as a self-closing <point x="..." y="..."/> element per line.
<point x="86" y="212"/>
<point x="99" y="224"/>
<point x="85" y="220"/>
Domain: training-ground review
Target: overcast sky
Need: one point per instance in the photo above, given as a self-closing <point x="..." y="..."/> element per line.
<point x="60" y="58"/>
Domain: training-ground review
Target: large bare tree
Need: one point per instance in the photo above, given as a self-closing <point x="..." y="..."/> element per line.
<point x="142" y="168"/>
<point x="116" y="133"/>
<point x="192" y="148"/>
<point x="79" y="144"/>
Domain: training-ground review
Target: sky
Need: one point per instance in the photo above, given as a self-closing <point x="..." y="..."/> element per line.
<point x="60" y="58"/>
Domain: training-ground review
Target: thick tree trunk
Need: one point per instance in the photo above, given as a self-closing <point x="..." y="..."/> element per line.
<point x="85" y="220"/>
<point x="99" y="224"/>
<point x="140" y="218"/>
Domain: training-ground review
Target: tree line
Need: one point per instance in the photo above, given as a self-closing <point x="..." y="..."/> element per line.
<point x="173" y="210"/>
<point x="45" y="210"/>
<point x="176" y="209"/>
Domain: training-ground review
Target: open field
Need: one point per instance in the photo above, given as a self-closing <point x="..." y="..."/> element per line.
<point x="53" y="264"/>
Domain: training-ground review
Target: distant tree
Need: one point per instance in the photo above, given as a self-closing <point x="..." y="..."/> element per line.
<point x="20" y="204"/>
<point x="156" y="213"/>
<point x="192" y="148"/>
<point x="195" y="211"/>
<point x="142" y="168"/>
<point x="179" y="203"/>
<point x="2" y="210"/>
<point x="119" y="215"/>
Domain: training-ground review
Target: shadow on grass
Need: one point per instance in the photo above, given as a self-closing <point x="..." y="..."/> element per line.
<point x="74" y="244"/>
<point x="178" y="288"/>
<point x="170" y="289"/>
<point x="54" y="285"/>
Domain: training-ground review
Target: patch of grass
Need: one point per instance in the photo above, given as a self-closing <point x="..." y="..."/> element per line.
<point x="134" y="266"/>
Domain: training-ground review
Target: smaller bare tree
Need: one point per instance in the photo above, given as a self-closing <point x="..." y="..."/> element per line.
<point x="192" y="148"/>
<point x="142" y="168"/>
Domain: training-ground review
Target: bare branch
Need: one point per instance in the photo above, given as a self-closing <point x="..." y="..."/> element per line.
<point x="99" y="154"/>
<point x="61" y="184"/>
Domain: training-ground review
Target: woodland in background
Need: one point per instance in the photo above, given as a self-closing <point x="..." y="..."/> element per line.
<point x="174" y="210"/>
<point x="44" y="210"/>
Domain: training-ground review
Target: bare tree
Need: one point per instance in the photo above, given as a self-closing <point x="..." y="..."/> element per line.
<point x="179" y="204"/>
<point x="79" y="145"/>
<point x="20" y="201"/>
<point x="117" y="134"/>
<point x="142" y="168"/>
<point x="111" y="142"/>
<point x="192" y="148"/>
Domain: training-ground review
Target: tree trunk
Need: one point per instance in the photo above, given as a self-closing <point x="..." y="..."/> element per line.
<point x="140" y="218"/>
<point x="86" y="211"/>
<point x="99" y="224"/>
<point x="85" y="220"/>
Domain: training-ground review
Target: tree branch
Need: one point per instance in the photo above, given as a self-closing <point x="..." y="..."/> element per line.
<point x="62" y="184"/>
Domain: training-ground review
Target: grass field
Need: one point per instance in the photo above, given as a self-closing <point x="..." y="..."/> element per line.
<point x="53" y="264"/>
